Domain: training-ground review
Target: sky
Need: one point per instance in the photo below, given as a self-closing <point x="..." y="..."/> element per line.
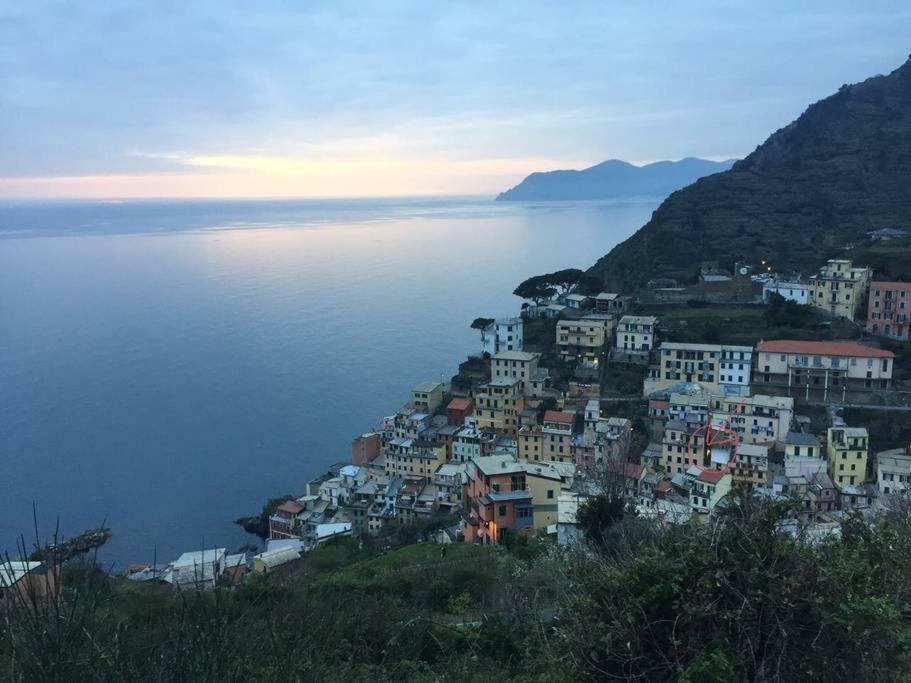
<point x="332" y="99"/>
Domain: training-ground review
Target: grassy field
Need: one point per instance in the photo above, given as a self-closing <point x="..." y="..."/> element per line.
<point x="623" y="380"/>
<point x="746" y="324"/>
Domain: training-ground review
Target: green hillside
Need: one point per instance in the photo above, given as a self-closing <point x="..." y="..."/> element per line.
<point x="839" y="171"/>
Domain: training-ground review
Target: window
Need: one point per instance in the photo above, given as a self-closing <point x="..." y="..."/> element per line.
<point x="550" y="494"/>
<point x="502" y="511"/>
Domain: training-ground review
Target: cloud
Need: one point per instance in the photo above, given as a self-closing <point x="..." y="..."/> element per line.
<point x="110" y="90"/>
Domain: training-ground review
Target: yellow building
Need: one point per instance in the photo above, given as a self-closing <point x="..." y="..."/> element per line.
<point x="499" y="404"/>
<point x="545" y="484"/>
<point x="530" y="443"/>
<point x="846" y="453"/>
<point x="405" y="457"/>
<point x="840" y="288"/>
<point x="427" y="396"/>
<point x="751" y="466"/>
<point x="802" y="445"/>
<point x="557" y="433"/>
<point x="582" y="340"/>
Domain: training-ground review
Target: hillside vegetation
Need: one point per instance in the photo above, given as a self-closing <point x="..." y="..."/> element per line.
<point x="736" y="599"/>
<point x="839" y="171"/>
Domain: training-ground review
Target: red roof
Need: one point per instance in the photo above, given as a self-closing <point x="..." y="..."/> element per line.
<point x="710" y="476"/>
<point x="822" y="348"/>
<point x="559" y="416"/>
<point x="459" y="404"/>
<point x="291" y="506"/>
<point x="892" y="285"/>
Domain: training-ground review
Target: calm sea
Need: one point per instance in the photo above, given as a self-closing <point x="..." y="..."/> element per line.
<point x="167" y="366"/>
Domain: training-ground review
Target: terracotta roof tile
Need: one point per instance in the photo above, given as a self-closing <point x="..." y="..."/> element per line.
<point x="559" y="416"/>
<point x="459" y="404"/>
<point x="710" y="476"/>
<point x="822" y="348"/>
<point x="291" y="506"/>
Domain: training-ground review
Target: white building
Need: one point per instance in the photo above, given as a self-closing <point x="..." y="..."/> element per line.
<point x="715" y="367"/>
<point x="503" y="334"/>
<point x="636" y="333"/>
<point x="893" y="472"/>
<point x="197" y="570"/>
<point x="736" y="365"/>
<point x="791" y="291"/>
<point x="576" y="301"/>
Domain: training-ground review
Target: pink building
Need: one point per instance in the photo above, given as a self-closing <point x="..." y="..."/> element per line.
<point x="365" y="448"/>
<point x="889" y="310"/>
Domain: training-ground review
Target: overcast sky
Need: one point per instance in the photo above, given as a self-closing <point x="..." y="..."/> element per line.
<point x="129" y="99"/>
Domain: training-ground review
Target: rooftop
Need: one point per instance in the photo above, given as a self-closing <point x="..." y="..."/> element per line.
<point x="801" y="439"/>
<point x="822" y="348"/>
<point x="682" y="346"/>
<point x="498" y="464"/>
<point x="459" y="404"/>
<point x="860" y="432"/>
<point x="199" y="557"/>
<point x="503" y="382"/>
<point x="12" y="571"/>
<point x="502" y="497"/>
<point x="523" y="356"/>
<point x="638" y="320"/>
<point x="290" y="506"/>
<point x="559" y="416"/>
<point x="428" y="387"/>
<point x="711" y="476"/>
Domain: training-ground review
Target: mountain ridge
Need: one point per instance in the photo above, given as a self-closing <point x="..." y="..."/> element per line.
<point x="841" y="169"/>
<point x="613" y="179"/>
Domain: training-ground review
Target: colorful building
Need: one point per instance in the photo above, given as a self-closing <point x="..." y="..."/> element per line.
<point x="504" y="334"/>
<point x="828" y="368"/>
<point x="846" y="455"/>
<point x="839" y="288"/>
<point x="426" y="397"/>
<point x="889" y="310"/>
<point x="519" y="365"/>
<point x="717" y="368"/>
<point x="365" y="448"/>
<point x="498" y="405"/>
<point x="457" y="410"/>
<point x="582" y="341"/>
<point x="709" y="488"/>
<point x="636" y="333"/>
<point x="501" y="492"/>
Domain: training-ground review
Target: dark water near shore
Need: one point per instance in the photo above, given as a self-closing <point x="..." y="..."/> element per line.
<point x="167" y="366"/>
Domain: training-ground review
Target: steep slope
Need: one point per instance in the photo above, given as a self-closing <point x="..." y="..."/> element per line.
<point x="613" y="179"/>
<point x="840" y="170"/>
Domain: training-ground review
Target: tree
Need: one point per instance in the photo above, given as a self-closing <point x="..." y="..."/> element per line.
<point x="481" y="323"/>
<point x="597" y="514"/>
<point x="536" y="288"/>
<point x="561" y="282"/>
<point x="566" y="280"/>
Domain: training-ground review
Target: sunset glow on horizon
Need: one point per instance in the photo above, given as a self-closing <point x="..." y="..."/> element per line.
<point x="105" y="100"/>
